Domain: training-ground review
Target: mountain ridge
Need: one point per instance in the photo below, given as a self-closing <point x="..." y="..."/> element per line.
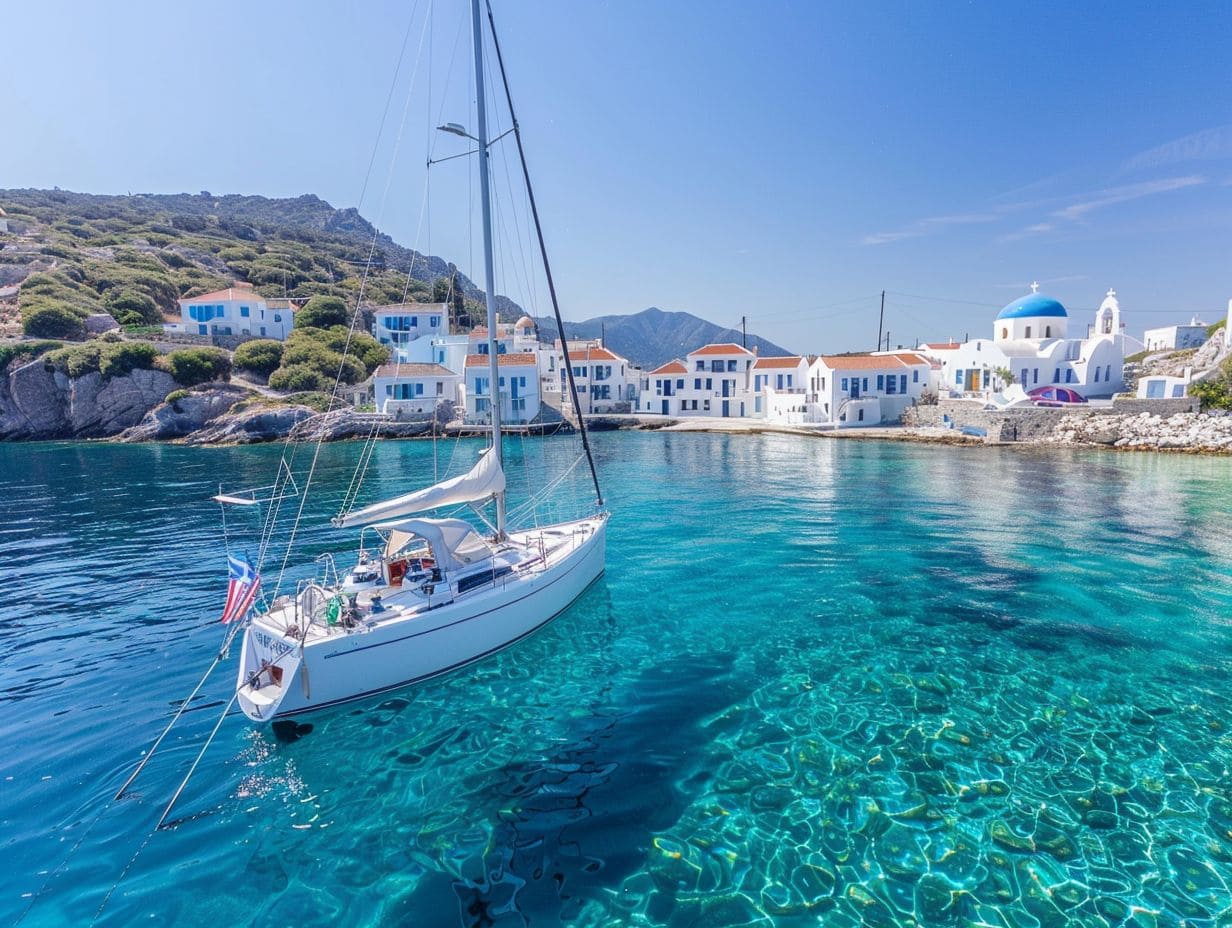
<point x="655" y="336"/>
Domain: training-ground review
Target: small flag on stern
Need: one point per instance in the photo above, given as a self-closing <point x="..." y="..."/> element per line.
<point x="242" y="588"/>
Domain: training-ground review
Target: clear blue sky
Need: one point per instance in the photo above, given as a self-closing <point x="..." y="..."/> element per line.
<point x="784" y="161"/>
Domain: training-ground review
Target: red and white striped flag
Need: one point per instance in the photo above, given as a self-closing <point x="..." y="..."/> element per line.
<point x="242" y="588"/>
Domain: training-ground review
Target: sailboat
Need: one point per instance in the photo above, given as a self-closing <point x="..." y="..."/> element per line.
<point x="437" y="593"/>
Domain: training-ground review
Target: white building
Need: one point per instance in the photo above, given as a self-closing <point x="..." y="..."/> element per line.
<point x="401" y="325"/>
<point x="238" y="310"/>
<point x="1160" y="387"/>
<point x="1175" y="337"/>
<point x="868" y="389"/>
<point x="662" y="389"/>
<point x="414" y="388"/>
<point x="602" y="378"/>
<point x="719" y="382"/>
<point x="518" y="387"/>
<point x="4" y="220"/>
<point x="1032" y="345"/>
<point x="779" y="388"/>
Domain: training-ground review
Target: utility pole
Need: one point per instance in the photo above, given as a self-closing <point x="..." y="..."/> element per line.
<point x="603" y="334"/>
<point x="744" y="332"/>
<point x="887" y="347"/>
<point x="881" y="320"/>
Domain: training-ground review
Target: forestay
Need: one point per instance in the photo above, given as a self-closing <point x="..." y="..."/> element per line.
<point x="481" y="483"/>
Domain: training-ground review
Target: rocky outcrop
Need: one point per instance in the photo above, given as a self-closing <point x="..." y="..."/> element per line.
<point x="38" y="403"/>
<point x="1200" y="432"/>
<point x="260" y="423"/>
<point x="185" y="415"/>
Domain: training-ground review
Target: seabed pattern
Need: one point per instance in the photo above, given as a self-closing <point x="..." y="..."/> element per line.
<point x="858" y="693"/>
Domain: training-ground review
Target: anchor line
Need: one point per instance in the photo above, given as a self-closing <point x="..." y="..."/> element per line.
<point x="193" y="769"/>
<point x="178" y="712"/>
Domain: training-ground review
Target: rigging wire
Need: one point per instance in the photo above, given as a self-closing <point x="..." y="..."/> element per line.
<point x="359" y="299"/>
<point x="547" y="270"/>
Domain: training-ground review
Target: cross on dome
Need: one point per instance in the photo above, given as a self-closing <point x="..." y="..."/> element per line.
<point x="1110" y="292"/>
<point x="1035" y="286"/>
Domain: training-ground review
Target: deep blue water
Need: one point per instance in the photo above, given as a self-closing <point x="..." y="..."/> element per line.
<point x="823" y="682"/>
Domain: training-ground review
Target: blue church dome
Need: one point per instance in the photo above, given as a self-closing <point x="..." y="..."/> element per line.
<point x="1031" y="305"/>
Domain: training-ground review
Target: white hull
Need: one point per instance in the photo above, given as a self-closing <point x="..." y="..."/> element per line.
<point x="407" y="645"/>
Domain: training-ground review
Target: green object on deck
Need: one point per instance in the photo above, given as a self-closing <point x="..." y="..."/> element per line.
<point x="333" y="609"/>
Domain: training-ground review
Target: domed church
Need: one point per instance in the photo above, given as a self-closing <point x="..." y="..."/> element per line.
<point x="1031" y="346"/>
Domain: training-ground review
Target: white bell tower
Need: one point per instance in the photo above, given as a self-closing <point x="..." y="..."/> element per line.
<point x="1108" y="319"/>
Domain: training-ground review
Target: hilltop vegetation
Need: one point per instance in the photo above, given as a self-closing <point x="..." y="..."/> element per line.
<point x="133" y="257"/>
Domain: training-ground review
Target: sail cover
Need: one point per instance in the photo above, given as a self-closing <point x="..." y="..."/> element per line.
<point x="483" y="481"/>
<point x="455" y="543"/>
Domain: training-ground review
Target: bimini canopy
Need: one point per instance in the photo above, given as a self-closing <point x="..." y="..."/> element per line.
<point x="483" y="481"/>
<point x="455" y="544"/>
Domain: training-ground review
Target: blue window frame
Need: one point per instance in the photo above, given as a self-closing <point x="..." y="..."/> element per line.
<point x="958" y="376"/>
<point x="880" y="382"/>
<point x="434" y="321"/>
<point x="844" y="385"/>
<point x="680" y="384"/>
<point x="244" y="311"/>
<point x="915" y="376"/>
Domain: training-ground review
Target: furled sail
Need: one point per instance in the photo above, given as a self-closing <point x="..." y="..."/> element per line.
<point x="482" y="482"/>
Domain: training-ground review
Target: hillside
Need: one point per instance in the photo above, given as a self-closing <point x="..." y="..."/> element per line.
<point x="134" y="256"/>
<point x="653" y="337"/>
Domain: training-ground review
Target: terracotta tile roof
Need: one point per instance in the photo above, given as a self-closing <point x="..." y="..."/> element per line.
<point x="596" y="354"/>
<point x="863" y="362"/>
<point x="231" y="293"/>
<point x="503" y="360"/>
<point x="723" y="348"/>
<point x="942" y="346"/>
<point x="416" y="369"/>
<point x="432" y="309"/>
<point x="776" y="362"/>
<point x="671" y="367"/>
<point x="910" y="357"/>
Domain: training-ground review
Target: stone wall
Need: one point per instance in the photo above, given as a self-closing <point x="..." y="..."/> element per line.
<point x="1035" y="423"/>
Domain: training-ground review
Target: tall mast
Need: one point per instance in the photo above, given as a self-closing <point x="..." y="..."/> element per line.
<point x="488" y="271"/>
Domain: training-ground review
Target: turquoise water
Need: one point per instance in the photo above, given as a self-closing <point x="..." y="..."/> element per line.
<point x="823" y="682"/>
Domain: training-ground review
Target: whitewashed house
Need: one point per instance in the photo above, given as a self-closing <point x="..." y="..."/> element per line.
<point x="780" y="389"/>
<point x="408" y="328"/>
<point x="410" y="387"/>
<point x="868" y="389"/>
<point x="518" y="387"/>
<point x="719" y="381"/>
<point x="238" y="310"/>
<point x="1175" y="337"/>
<point x="602" y="379"/>
<point x="1161" y="387"/>
<point x="663" y="388"/>
<point x="1031" y="343"/>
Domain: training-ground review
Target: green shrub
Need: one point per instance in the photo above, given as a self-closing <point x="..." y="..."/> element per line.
<point x="1215" y="393"/>
<point x="322" y="312"/>
<point x="132" y="307"/>
<point x="261" y="356"/>
<point x="24" y="351"/>
<point x="74" y="360"/>
<point x="1218" y="326"/>
<point x="191" y="366"/>
<point x="120" y="358"/>
<point x="318" y="401"/>
<point x="298" y="378"/>
<point x="176" y="395"/>
<point x="47" y="319"/>
<point x="111" y="359"/>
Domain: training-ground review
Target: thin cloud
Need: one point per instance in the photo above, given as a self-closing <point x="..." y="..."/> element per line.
<point x="1124" y="194"/>
<point x="927" y="226"/>
<point x="1208" y="145"/>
